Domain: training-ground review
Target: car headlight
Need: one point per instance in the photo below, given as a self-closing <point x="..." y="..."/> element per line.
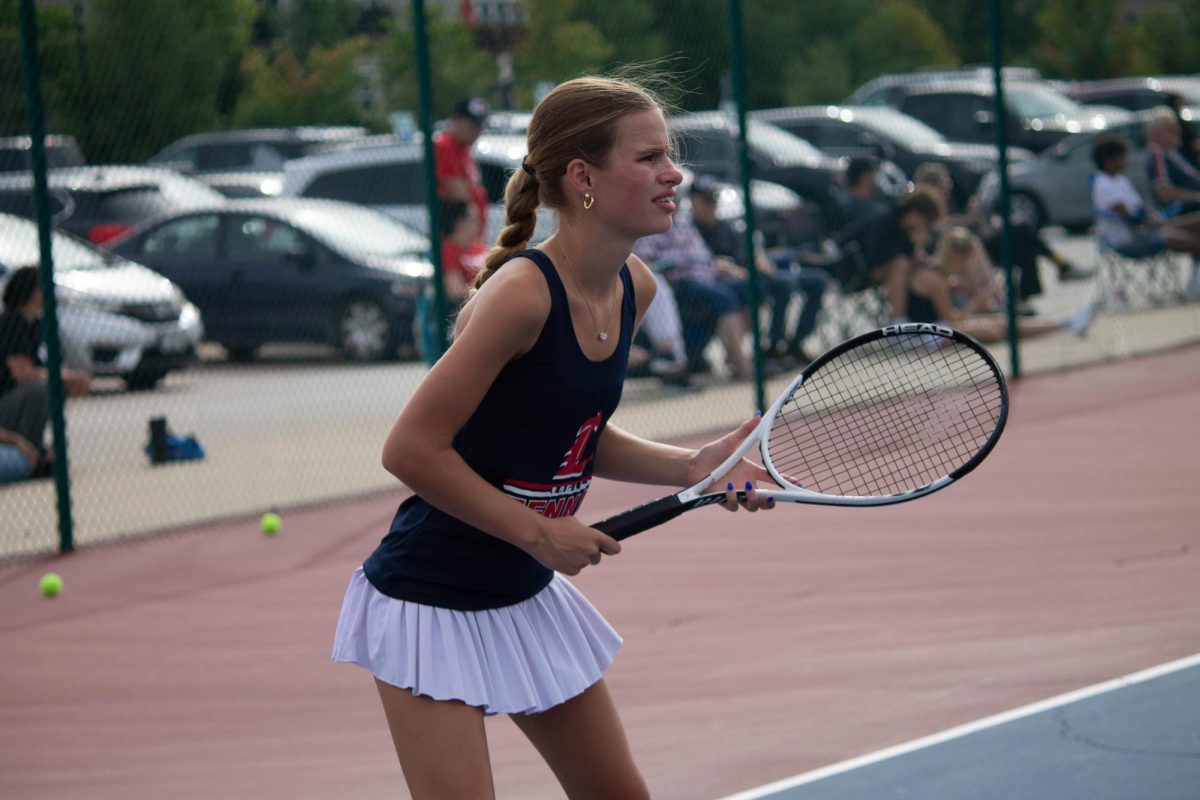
<point x="73" y="298"/>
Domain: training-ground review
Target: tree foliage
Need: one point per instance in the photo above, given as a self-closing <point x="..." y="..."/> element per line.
<point x="139" y="73"/>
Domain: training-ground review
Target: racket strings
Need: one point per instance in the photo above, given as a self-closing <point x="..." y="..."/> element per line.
<point x="888" y="417"/>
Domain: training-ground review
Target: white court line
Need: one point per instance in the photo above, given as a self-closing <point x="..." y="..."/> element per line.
<point x="763" y="792"/>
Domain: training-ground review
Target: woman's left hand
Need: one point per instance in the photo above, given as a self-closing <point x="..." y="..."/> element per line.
<point x="744" y="476"/>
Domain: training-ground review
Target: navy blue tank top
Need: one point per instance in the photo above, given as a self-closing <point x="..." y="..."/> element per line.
<point x="533" y="436"/>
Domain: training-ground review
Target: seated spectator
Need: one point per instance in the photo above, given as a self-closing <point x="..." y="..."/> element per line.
<point x="1189" y="145"/>
<point x="24" y="396"/>
<point x="463" y="251"/>
<point x="1123" y="222"/>
<point x="971" y="280"/>
<point x="1175" y="182"/>
<point x="951" y="291"/>
<point x="659" y="349"/>
<point x="708" y="296"/>
<point x="1027" y="242"/>
<point x="887" y="246"/>
<point x="19" y="458"/>
<point x="861" y="196"/>
<point x="778" y="282"/>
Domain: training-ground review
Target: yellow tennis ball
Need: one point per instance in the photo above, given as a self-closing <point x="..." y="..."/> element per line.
<point x="51" y="584"/>
<point x="271" y="523"/>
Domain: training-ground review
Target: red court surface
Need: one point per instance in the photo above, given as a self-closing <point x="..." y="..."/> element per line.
<point x="196" y="664"/>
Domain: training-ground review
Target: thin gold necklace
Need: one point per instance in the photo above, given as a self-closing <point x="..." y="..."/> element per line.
<point x="602" y="335"/>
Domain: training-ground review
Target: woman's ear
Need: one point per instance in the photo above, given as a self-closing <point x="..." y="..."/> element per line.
<point x="578" y="178"/>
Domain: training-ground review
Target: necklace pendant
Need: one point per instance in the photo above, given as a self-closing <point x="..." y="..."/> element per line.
<point x="602" y="336"/>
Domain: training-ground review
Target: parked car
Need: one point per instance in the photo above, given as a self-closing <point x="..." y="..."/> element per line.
<point x="244" y="184"/>
<point x="264" y="271"/>
<point x="116" y="318"/>
<point x="249" y="149"/>
<point x="1038" y="115"/>
<point x="1053" y="189"/>
<point x="887" y="134"/>
<point x="1139" y="94"/>
<point x="98" y="203"/>
<point x="708" y="144"/>
<point x="390" y="177"/>
<point x="61" y="151"/>
<point x="876" y="92"/>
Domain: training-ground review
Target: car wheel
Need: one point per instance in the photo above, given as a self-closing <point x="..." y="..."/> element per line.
<point x="1024" y="209"/>
<point x="365" y="332"/>
<point x="239" y="352"/>
<point x="143" y="379"/>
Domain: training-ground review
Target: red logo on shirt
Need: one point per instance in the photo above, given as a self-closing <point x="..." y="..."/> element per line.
<point x="573" y="463"/>
<point x="563" y="495"/>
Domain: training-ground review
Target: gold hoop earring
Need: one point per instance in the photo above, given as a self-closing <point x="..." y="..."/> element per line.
<point x="589" y="200"/>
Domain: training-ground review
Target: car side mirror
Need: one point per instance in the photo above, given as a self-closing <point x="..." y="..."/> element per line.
<point x="985" y="119"/>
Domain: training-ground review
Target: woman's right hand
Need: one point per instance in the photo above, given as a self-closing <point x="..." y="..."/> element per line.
<point x="566" y="545"/>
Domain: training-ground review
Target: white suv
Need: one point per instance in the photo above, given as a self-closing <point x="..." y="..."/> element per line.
<point x="115" y="317"/>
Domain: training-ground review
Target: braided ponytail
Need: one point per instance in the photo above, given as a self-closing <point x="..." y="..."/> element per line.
<point x="520" y="221"/>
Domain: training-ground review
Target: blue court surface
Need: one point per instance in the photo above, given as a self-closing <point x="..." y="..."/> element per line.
<point x="1133" y="738"/>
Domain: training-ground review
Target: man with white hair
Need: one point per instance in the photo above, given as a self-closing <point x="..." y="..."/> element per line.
<point x="1175" y="182"/>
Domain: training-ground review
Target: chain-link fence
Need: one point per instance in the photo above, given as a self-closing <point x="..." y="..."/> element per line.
<point x="243" y="214"/>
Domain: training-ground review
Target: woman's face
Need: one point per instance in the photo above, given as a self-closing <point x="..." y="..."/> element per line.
<point x="635" y="189"/>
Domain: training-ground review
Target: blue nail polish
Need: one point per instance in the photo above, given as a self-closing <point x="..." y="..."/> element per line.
<point x="749" y="486"/>
<point x="730" y="486"/>
<point x="771" y="500"/>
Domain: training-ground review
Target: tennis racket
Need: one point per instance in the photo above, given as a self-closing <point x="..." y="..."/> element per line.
<point x="889" y="416"/>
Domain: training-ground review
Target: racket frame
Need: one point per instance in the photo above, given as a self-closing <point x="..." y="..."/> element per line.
<point x="665" y="508"/>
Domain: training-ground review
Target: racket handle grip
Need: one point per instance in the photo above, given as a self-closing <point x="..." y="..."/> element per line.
<point x="646" y="516"/>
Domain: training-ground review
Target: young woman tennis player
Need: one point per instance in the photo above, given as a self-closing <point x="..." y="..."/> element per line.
<point x="462" y="610"/>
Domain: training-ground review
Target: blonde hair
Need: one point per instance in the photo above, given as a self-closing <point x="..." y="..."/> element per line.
<point x="577" y="119"/>
<point x="957" y="241"/>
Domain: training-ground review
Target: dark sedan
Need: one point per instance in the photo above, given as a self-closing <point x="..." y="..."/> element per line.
<point x="264" y="271"/>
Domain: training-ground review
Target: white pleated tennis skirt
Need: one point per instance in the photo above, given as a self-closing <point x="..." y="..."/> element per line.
<point x="522" y="658"/>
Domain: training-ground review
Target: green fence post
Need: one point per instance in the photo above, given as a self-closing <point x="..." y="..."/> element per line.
<point x="37" y="154"/>
<point x="425" y="93"/>
<point x="1001" y="121"/>
<point x="739" y="95"/>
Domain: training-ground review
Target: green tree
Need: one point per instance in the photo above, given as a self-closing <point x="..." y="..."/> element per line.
<point x="556" y="46"/>
<point x="459" y="68"/>
<point x="879" y="46"/>
<point x="58" y="57"/>
<point x="284" y="90"/>
<point x="158" y="70"/>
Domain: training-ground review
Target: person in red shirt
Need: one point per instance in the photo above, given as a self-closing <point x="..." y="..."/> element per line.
<point x="463" y="252"/>
<point x="458" y="175"/>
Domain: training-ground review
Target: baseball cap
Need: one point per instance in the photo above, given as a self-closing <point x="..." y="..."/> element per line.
<point x="473" y="108"/>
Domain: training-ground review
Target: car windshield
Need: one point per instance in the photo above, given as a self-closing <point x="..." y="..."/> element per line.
<point x="780" y="146"/>
<point x="362" y="232"/>
<point x="1029" y="101"/>
<point x="21" y="247"/>
<point x="902" y="128"/>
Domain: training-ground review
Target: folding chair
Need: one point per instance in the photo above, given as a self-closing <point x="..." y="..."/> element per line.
<point x="853" y="303"/>
<point x="1127" y="283"/>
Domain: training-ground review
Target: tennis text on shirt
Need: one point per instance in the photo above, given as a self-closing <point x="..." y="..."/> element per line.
<point x="563" y="495"/>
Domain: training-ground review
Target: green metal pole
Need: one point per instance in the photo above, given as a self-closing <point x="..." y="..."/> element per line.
<point x="737" y="65"/>
<point x="1001" y="119"/>
<point x="425" y="94"/>
<point x="37" y="153"/>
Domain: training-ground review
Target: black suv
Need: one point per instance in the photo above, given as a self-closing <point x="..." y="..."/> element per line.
<point x="964" y="111"/>
<point x="99" y="203"/>
<point x="250" y="149"/>
<point x="887" y="134"/>
<point x="1136" y="94"/>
